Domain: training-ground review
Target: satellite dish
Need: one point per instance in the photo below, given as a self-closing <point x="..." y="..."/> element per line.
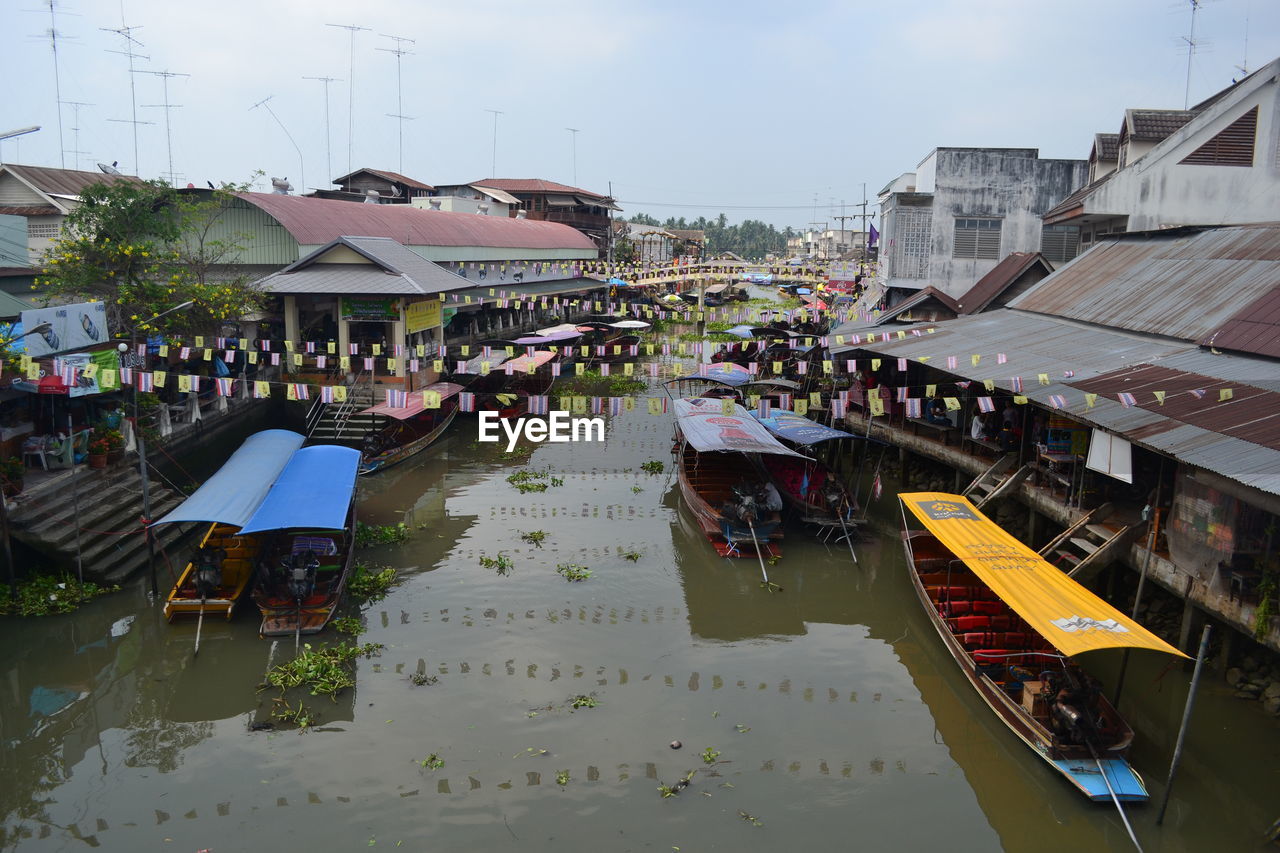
<point x="281" y="186"/>
<point x="109" y="170"/>
<point x="395" y="191"/>
<point x="372" y="197"/>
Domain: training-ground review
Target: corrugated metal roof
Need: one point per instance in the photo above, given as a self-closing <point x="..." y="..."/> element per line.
<point x="490" y="294"/>
<point x="394" y="269"/>
<point x="63" y="181"/>
<point x="996" y="282"/>
<point x="533" y="185"/>
<point x="917" y="299"/>
<point x="316" y="221"/>
<point x="1036" y="344"/>
<point x="1182" y="284"/>
<point x="1254" y="329"/>
<point x="393" y="177"/>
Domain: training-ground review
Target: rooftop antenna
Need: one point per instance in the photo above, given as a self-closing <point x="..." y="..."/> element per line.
<point x="1193" y="44"/>
<point x="1244" y="63"/>
<point x="351" y="88"/>
<point x="574" y="132"/>
<point x="75" y="113"/>
<point x="57" y="82"/>
<point x="398" y="115"/>
<point x="126" y="33"/>
<point x="168" y="107"/>
<point x="493" y="166"/>
<point x="266" y="106"/>
<point x="328" y="150"/>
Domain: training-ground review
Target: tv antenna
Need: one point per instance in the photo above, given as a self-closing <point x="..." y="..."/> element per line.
<point x="351" y="88"/>
<point x="398" y="115"/>
<point x="168" y="107"/>
<point x="75" y="113"/>
<point x="328" y="150"/>
<point x="493" y="166"/>
<point x="574" y="132"/>
<point x="126" y="33"/>
<point x="1193" y="46"/>
<point x="53" y="35"/>
<point x="1244" y="63"/>
<point x="301" y="166"/>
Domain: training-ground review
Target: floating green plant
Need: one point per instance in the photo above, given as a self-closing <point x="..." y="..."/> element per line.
<point x="43" y="595"/>
<point x="709" y="756"/>
<point x="432" y="762"/>
<point x="583" y="701"/>
<point x="635" y="490"/>
<point x="325" y="671"/>
<point x="380" y="534"/>
<point x="534" y="537"/>
<point x="633" y="556"/>
<point x="348" y="625"/>
<point x="741" y="729"/>
<point x="653" y="466"/>
<point x="502" y="564"/>
<point x="749" y="818"/>
<point x="421" y="679"/>
<point x="367" y="585"/>
<point x="562" y="778"/>
<point x="573" y="572"/>
<point x="301" y="716"/>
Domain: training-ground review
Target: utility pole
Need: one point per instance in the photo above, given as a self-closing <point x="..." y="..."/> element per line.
<point x="842" y="218"/>
<point x="168" y="134"/>
<point x="328" y="139"/>
<point x="126" y="32"/>
<point x="351" y="88"/>
<point x="398" y="115"/>
<point x="866" y="233"/>
<point x="493" y="166"/>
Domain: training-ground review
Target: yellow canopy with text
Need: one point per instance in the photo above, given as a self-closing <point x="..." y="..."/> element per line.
<point x="1066" y="614"/>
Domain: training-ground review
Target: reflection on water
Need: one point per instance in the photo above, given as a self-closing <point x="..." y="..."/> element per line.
<point x="836" y="713"/>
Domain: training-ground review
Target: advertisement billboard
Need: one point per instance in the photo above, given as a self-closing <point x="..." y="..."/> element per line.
<point x="71" y="327"/>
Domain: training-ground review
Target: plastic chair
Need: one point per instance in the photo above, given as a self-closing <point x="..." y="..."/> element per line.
<point x="37" y="446"/>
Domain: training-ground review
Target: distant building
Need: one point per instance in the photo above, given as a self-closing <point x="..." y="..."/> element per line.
<point x="43" y="197"/>
<point x="964" y="209"/>
<point x="552" y="202"/>
<point x="376" y="186"/>
<point x="1217" y="163"/>
<point x="470" y="198"/>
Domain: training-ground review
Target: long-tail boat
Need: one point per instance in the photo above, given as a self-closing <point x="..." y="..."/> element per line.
<point x="507" y="391"/>
<point x="411" y="428"/>
<point x="306" y="526"/>
<point x="1013" y="623"/>
<point x="721" y="488"/>
<point x="807" y="485"/>
<point x="220" y="571"/>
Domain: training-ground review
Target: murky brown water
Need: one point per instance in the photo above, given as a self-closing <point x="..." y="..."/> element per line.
<point x="856" y="731"/>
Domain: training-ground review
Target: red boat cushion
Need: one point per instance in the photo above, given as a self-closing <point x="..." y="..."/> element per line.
<point x="991" y="608"/>
<point x="961" y="624"/>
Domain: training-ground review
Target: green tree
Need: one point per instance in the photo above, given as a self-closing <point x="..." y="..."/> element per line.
<point x="144" y="247"/>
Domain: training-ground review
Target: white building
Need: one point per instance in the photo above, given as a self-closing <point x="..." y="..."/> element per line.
<point x="470" y="198"/>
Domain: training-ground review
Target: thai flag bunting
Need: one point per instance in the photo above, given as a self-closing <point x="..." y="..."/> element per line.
<point x="507" y="368"/>
<point x="902" y="364"/>
<point x="822" y="342"/>
<point x="902" y="393"/>
<point x="229" y="356"/>
<point x="913" y="407"/>
<point x="951" y="362"/>
<point x="1198" y="393"/>
<point x="444" y="351"/>
<point x="666" y="349"/>
<point x="838" y="408"/>
<point x="1126" y="399"/>
<point x="1067" y="374"/>
<point x="223" y="385"/>
<point x="539" y="404"/>
<point x="1016" y="384"/>
<point x="397" y="399"/>
<point x="528" y="351"/>
<point x="653" y="369"/>
<point x="142" y="350"/>
<point x="195" y="383"/>
<point x="697" y="347"/>
<point x="917" y="333"/>
<point x="399" y="350"/>
<point x="486" y="351"/>
<point x="414" y="365"/>
<point x="311" y="347"/>
<point x="634" y="349"/>
<point x="604" y="369"/>
<point x="368" y="364"/>
<point x="851" y="366"/>
<point x="275" y="358"/>
<point x="986" y="404"/>
<point x="466" y="401"/>
<point x="703" y="368"/>
<point x="459" y="366"/>
<point x="353" y="349"/>
<point x="964" y="383"/>
<point x="1057" y="401"/>
<point x="326" y="393"/>
<point x="802" y="367"/>
<point x="763" y="407"/>
<point x="784" y="402"/>
<point x="617" y="405"/>
<point x="600" y="349"/>
<point x="220" y="343"/>
<point x="753" y="368"/>
<point x="1001" y="358"/>
<point x="264" y="345"/>
<point x="555" y="368"/>
<point x="146" y="382"/>
<point x="597" y="405"/>
<point x="67" y="373"/>
<point x="184" y="353"/>
<point x="301" y="392"/>
<point x="126" y="376"/>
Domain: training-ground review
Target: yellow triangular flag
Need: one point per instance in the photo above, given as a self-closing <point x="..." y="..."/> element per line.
<point x="288" y="346"/>
<point x="974" y="359"/>
<point x="990" y="384"/>
<point x="437" y="365"/>
<point x="726" y="405"/>
<point x="184" y="383"/>
<point x="1043" y="377"/>
<point x="1159" y="397"/>
<point x="160" y="377"/>
<point x="1089" y="400"/>
<point x="930" y="391"/>
<point x="579" y="367"/>
<point x="655" y="405"/>
<point x="332" y="348"/>
<point x="199" y="341"/>
<point x="952" y="403"/>
<point x="1019" y="399"/>
<point x="1225" y="394"/>
<point x="877" y="406"/>
<point x="801" y="407"/>
<point x="815" y="400"/>
<point x="339" y="394"/>
<point x="430" y="399"/>
<point x="344" y="362"/>
<point x="875" y="364"/>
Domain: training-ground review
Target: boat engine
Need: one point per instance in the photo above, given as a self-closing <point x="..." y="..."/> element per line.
<point x="209" y="571"/>
<point x="302" y="574"/>
<point x="743" y="505"/>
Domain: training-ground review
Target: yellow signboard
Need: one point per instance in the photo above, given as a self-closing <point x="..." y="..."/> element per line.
<point x="422" y="315"/>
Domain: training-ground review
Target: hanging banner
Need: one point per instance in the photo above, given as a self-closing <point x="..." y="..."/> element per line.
<point x="420" y="316"/>
<point x="75" y="326"/>
<point x="370" y="308"/>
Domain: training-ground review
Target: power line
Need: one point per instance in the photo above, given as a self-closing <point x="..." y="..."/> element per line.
<point x="720" y="206"/>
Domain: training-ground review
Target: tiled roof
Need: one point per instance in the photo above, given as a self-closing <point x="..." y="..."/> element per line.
<point x="52" y="181"/>
<point x="394" y="177"/>
<point x="1106" y="146"/>
<point x="996" y="282"/>
<point x="1154" y="125"/>
<point x="533" y="185"/>
<point x="316" y="221"/>
<point x="689" y="233"/>
<point x="32" y="210"/>
<point x="1254" y="329"/>
<point x="394" y="269"/>
<point x="1065" y="209"/>
<point x="1181" y="283"/>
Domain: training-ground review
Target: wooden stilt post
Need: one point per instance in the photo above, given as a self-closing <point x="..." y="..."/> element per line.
<point x="1186" y="718"/>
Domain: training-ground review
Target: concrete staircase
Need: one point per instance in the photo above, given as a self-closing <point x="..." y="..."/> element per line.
<point x="342" y="423"/>
<point x="111" y="543"/>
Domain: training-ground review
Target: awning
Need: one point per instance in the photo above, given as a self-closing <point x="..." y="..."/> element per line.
<point x="472" y="367"/>
<point x="235" y="492"/>
<point x="706" y="426"/>
<point x="561" y="201"/>
<point x="799" y="429"/>
<point x="313" y="491"/>
<point x="1062" y="611"/>
<point x="630" y="324"/>
<point x="554" y="330"/>
<point x="525" y="363"/>
<point x="543" y="338"/>
<point x="416" y="403"/>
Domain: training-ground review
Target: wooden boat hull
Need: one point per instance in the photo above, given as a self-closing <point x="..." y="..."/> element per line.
<point x="282" y="615"/>
<point x="399" y="454"/>
<point x="237" y="572"/>
<point x="706" y="482"/>
<point x="1016" y="704"/>
<point x="801" y="485"/>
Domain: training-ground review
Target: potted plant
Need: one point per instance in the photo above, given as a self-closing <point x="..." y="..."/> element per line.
<point x="11" y="472"/>
<point x="115" y="445"/>
<point x="98" y="448"/>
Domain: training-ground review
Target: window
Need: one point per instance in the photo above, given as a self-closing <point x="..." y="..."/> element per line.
<point x="977" y="238"/>
<point x="910" y="243"/>
<point x="43" y="230"/>
<point x="1059" y="243"/>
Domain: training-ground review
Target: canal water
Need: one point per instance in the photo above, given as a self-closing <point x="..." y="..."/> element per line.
<point x="832" y="715"/>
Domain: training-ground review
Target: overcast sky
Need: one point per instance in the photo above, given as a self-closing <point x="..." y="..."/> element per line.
<point x="765" y="110"/>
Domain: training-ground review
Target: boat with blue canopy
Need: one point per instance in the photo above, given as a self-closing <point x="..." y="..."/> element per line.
<point x="306" y="526"/>
<point x="220" y="572"/>
<point x="809" y="487"/>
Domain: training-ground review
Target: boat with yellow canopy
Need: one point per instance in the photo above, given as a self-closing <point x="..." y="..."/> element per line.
<point x="1013" y="623"/>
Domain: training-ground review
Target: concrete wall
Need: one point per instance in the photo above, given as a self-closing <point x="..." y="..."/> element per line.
<point x="1157" y="191"/>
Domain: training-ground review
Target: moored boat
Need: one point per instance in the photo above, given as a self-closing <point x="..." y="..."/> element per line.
<point x="807" y="485"/>
<point x="306" y="526"/>
<point x="725" y="494"/>
<point x="411" y="428"/>
<point x="1013" y="623"/>
<point x="220" y="571"/>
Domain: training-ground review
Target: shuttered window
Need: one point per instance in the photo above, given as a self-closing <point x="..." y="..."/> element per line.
<point x="1059" y="243"/>
<point x="977" y="238"/>
<point x="1232" y="147"/>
